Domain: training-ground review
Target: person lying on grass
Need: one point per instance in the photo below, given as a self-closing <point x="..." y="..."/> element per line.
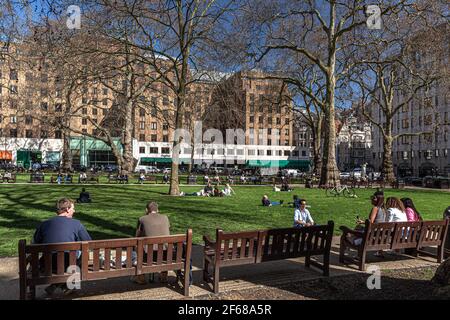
<point x="267" y="203"/>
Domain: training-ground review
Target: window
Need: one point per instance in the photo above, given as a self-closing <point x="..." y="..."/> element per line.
<point x="44" y="134"/>
<point x="141" y="137"/>
<point x="13" y="104"/>
<point x="165" y="138"/>
<point x="436" y="153"/>
<point x="13" y="75"/>
<point x="28" y="120"/>
<point x="165" y="101"/>
<point x="154" y="112"/>
<point x="154" y="138"/>
<point x="29" y="133"/>
<point x="94" y="120"/>
<point x="153" y="149"/>
<point x="105" y="102"/>
<point x="142" y="125"/>
<point x="84" y="100"/>
<point x="405" y="155"/>
<point x="84" y="121"/>
<point x="13" y="119"/>
<point x="260" y="152"/>
<point x="405" y="123"/>
<point x="240" y="152"/>
<point x="58" y="134"/>
<point x="84" y="130"/>
<point x="154" y="126"/>
<point x="14" y="89"/>
<point x="165" y="150"/>
<point x="94" y="111"/>
<point x="287" y="153"/>
<point x="251" y="152"/>
<point x="142" y="112"/>
<point x="44" y="92"/>
<point x="58" y="107"/>
<point x="286" y="121"/>
<point x="105" y="91"/>
<point x="252" y="119"/>
<point x="278" y="121"/>
<point x="286" y="142"/>
<point x="286" y="132"/>
<point x="44" y="77"/>
<point x="165" y="126"/>
<point x="28" y="76"/>
<point x="303" y="153"/>
<point x="13" y="133"/>
<point x="260" y="120"/>
<point x="141" y="149"/>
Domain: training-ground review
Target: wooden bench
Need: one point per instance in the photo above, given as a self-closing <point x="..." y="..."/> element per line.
<point x="149" y="179"/>
<point x="241" y="248"/>
<point x="393" y="236"/>
<point x="64" y="178"/>
<point x="191" y="180"/>
<point x="90" y="178"/>
<point x="49" y="262"/>
<point x="9" y="180"/>
<point x="34" y="178"/>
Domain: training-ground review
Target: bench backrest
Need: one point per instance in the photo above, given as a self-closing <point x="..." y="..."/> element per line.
<point x="236" y="247"/>
<point x="433" y="233"/>
<point x="295" y="242"/>
<point x="399" y="235"/>
<point x="101" y="259"/>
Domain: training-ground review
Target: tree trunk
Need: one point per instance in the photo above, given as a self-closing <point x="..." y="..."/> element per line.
<point x="66" y="153"/>
<point x="174" y="189"/>
<point x="387" y="170"/>
<point x="317" y="156"/>
<point x="128" y="161"/>
<point x="330" y="172"/>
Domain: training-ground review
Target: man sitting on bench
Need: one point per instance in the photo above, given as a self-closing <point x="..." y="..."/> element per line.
<point x="84" y="197"/>
<point x="62" y="228"/>
<point x="152" y="224"/>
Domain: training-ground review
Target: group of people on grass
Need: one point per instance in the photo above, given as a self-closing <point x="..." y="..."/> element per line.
<point x="210" y="191"/>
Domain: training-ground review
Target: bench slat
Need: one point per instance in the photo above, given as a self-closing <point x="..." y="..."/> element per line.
<point x="48" y="263"/>
<point x="119" y="258"/>
<point x="160" y="254"/>
<point x="107" y="264"/>
<point x="60" y="263"/>
<point x="129" y="256"/>
<point x="169" y="253"/>
<point x="96" y="259"/>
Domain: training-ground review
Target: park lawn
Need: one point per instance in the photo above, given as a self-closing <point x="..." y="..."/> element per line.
<point x="116" y="208"/>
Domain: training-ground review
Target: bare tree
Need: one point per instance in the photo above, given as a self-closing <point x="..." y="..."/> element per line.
<point x="390" y="79"/>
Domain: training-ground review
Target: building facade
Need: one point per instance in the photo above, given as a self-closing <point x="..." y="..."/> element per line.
<point x="354" y="144"/>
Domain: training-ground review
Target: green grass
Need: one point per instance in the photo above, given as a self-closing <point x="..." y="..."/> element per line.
<point x="116" y="208"/>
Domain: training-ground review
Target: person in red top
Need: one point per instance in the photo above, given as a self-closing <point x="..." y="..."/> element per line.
<point x="411" y="212"/>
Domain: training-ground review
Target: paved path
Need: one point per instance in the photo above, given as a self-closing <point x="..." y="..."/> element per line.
<point x="268" y="274"/>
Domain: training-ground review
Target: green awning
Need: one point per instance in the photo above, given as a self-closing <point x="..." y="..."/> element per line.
<point x="294" y="164"/>
<point x="145" y="160"/>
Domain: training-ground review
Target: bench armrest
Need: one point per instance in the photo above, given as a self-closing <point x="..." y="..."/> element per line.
<point x="346" y="230"/>
<point x="209" y="244"/>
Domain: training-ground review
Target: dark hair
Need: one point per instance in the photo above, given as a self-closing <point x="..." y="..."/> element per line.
<point x="378" y="196"/>
<point x="83" y="190"/>
<point x="408" y="203"/>
<point x="295" y="197"/>
<point x="446" y="214"/>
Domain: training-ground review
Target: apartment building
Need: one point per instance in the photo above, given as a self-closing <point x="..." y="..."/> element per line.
<point x="426" y="116"/>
